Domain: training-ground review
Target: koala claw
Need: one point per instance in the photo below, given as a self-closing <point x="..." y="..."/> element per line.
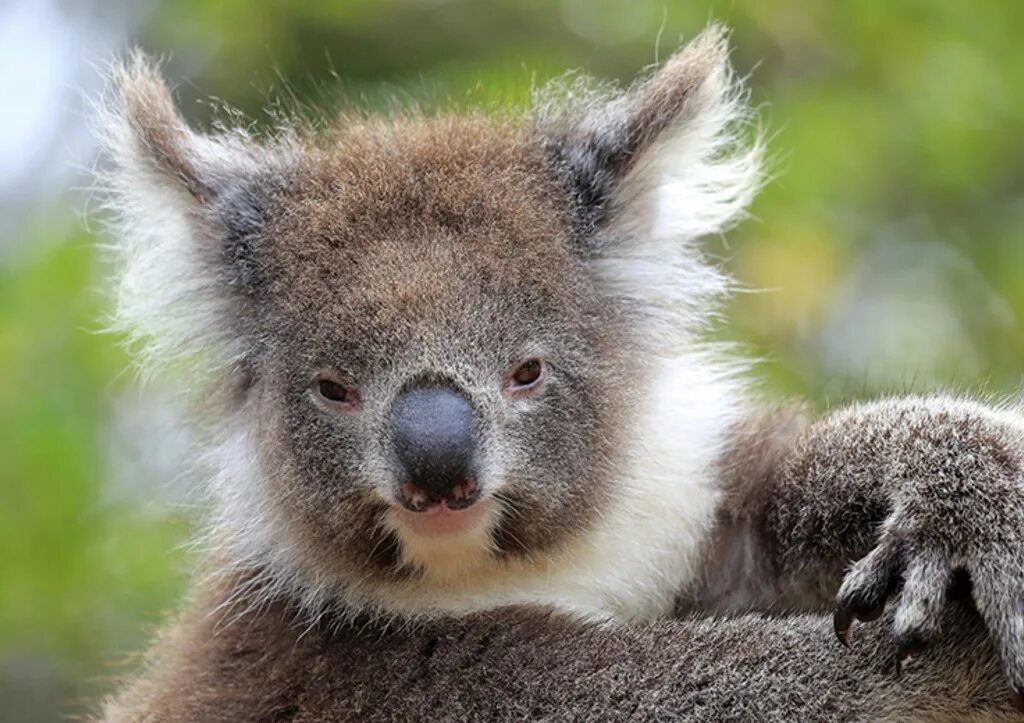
<point x="865" y="590"/>
<point x="841" y="622"/>
<point x="844" y="617"/>
<point x="921" y="576"/>
<point x="922" y="597"/>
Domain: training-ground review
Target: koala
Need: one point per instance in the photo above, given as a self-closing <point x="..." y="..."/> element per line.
<point x="470" y="454"/>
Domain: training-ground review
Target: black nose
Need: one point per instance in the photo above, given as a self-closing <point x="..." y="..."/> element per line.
<point x="433" y="434"/>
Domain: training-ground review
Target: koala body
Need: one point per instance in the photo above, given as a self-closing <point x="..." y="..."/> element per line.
<point x="452" y="365"/>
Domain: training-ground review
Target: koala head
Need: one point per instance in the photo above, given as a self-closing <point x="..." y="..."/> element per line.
<point x="425" y="342"/>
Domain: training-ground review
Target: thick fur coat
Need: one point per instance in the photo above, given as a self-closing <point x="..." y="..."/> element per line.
<point x="310" y="279"/>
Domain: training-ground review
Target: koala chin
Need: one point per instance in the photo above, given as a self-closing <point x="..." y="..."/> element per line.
<point x="445" y="364"/>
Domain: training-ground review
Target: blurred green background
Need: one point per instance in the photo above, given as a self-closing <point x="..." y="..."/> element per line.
<point x="887" y="253"/>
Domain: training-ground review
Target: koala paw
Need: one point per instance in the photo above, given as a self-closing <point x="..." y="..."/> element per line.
<point x="927" y="555"/>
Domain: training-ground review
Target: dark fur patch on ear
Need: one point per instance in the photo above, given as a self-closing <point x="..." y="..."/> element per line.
<point x="148" y="136"/>
<point x="589" y="169"/>
<point x="243" y="211"/>
<point x="593" y="148"/>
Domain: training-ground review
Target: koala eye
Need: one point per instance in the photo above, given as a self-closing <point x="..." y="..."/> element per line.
<point x="337" y="395"/>
<point x="524" y="377"/>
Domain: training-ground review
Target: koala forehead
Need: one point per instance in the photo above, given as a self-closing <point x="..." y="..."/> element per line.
<point x="399" y="227"/>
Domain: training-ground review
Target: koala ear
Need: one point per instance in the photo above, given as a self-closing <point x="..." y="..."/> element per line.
<point x="654" y="168"/>
<point x="188" y="210"/>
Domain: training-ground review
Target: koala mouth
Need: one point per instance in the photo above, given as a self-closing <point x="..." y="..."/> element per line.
<point x="454" y="512"/>
<point x="459" y="497"/>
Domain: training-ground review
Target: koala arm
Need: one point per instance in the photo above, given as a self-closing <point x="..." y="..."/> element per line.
<point x="913" y="491"/>
<point x="518" y="663"/>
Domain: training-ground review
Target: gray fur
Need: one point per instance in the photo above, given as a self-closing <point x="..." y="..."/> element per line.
<point x="930" y="486"/>
<point x="524" y="664"/>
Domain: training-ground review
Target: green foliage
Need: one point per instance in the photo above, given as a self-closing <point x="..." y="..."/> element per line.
<point x="890" y="243"/>
<point x="83" y="574"/>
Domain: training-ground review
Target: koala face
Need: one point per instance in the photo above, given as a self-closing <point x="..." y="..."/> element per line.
<point x="437" y="355"/>
<point x="456" y="351"/>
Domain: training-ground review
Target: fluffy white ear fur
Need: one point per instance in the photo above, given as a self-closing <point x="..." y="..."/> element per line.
<point x="161" y="188"/>
<point x="670" y="160"/>
<point x="696" y="177"/>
